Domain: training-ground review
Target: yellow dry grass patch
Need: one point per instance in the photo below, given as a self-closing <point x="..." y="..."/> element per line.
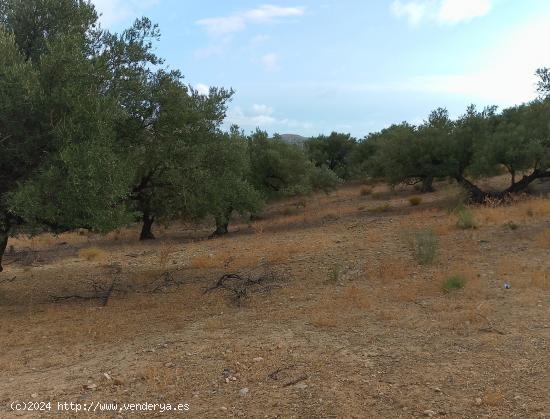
<point x="332" y="309"/>
<point x="92" y="254"/>
<point x="520" y="212"/>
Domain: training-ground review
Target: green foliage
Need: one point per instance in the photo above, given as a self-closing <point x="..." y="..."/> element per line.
<point x="334" y="152"/>
<point x="335" y="273"/>
<point x="424" y="245"/>
<point x="59" y="167"/>
<point x="225" y="182"/>
<point x="279" y="169"/>
<point x="454" y="282"/>
<point x="408" y="154"/>
<point x="465" y="219"/>
<point x="324" y="179"/>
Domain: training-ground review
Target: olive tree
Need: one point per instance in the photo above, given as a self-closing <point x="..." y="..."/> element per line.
<point x="59" y="161"/>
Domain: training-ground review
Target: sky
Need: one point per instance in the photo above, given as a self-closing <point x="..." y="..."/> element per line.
<point x="310" y="67"/>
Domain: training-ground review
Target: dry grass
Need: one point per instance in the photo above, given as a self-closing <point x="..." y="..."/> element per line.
<point x="415" y="200"/>
<point x="494" y="398"/>
<point x="92" y="254"/>
<point x="384" y="308"/>
<point x="334" y="308"/>
<point x="524" y="211"/>
<point x="543" y="239"/>
<point x="365" y="190"/>
<point x="381" y="208"/>
<point x="388" y="270"/>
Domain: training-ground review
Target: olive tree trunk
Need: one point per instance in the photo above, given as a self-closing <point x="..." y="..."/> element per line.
<point x="146" y="228"/>
<point x="222" y="223"/>
<point x="427" y="184"/>
<point x="4" y="235"/>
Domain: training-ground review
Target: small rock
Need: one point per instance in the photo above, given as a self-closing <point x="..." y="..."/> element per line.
<point x="234" y="378"/>
<point x="478" y="401"/>
<point x="169" y="365"/>
<point x="34" y="395"/>
<point x="244" y="391"/>
<point x="429" y="413"/>
<point x="90" y="386"/>
<point x="223" y="408"/>
<point x="258" y="359"/>
<point x="301" y="386"/>
<point x="107" y="376"/>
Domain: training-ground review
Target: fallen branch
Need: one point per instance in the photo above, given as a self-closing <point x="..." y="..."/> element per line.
<point x="240" y="285"/>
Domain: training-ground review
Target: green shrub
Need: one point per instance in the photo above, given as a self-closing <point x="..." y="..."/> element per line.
<point x="424" y="245"/>
<point x="465" y="219"/>
<point x="454" y="282"/>
<point x="335" y="273"/>
<point x="324" y="179"/>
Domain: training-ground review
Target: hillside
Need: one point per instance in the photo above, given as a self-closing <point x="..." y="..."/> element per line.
<point x="294" y="139"/>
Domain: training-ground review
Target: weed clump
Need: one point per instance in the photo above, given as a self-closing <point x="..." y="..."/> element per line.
<point x="415" y="200"/>
<point x="335" y="273"/>
<point x="512" y="226"/>
<point x="424" y="245"/>
<point x="91" y="254"/>
<point x="454" y="282"/>
<point x="465" y="219"/>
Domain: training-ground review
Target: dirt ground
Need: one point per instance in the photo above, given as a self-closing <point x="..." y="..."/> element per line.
<point x="343" y="322"/>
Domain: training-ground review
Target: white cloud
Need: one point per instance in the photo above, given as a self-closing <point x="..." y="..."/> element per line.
<point x="413" y="11"/>
<point x="116" y="11"/>
<point x="261" y="116"/>
<point x="455" y="11"/>
<point x="225" y="25"/>
<point x="252" y="120"/>
<point x="270" y="61"/>
<point x="441" y="11"/>
<point x="504" y="77"/>
<point x="202" y="89"/>
<point x="262" y="109"/>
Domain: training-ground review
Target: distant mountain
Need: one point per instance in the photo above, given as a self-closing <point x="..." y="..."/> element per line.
<point x="294" y="139"/>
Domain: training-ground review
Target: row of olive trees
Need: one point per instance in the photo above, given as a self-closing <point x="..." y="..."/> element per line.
<point x="477" y="144"/>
